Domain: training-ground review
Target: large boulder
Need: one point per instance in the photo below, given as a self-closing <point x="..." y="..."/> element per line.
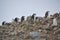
<point x="34" y="34"/>
<point x="54" y="22"/>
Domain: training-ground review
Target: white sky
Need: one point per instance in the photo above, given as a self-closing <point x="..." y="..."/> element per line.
<point x="10" y="9"/>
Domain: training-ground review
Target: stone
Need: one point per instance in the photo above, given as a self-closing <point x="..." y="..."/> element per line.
<point x="43" y="39"/>
<point x="54" y="22"/>
<point x="57" y="32"/>
<point x="34" y="34"/>
<point x="55" y="28"/>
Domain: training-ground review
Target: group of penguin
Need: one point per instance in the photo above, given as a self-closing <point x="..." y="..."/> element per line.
<point x="23" y="18"/>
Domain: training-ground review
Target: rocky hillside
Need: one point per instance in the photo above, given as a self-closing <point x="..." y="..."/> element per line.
<point x="43" y="29"/>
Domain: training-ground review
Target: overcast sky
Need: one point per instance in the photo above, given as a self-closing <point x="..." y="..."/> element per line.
<point x="10" y="9"/>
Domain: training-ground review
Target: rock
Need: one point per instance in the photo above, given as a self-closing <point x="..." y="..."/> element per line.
<point x="20" y="33"/>
<point x="54" y="22"/>
<point x="43" y="39"/>
<point x="56" y="15"/>
<point x="34" y="34"/>
<point x="55" y="28"/>
<point x="57" y="32"/>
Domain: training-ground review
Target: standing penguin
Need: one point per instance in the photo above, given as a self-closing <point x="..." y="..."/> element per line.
<point x="33" y="17"/>
<point x="3" y="23"/>
<point x="16" y="19"/>
<point x="22" y="18"/>
<point x="46" y="14"/>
